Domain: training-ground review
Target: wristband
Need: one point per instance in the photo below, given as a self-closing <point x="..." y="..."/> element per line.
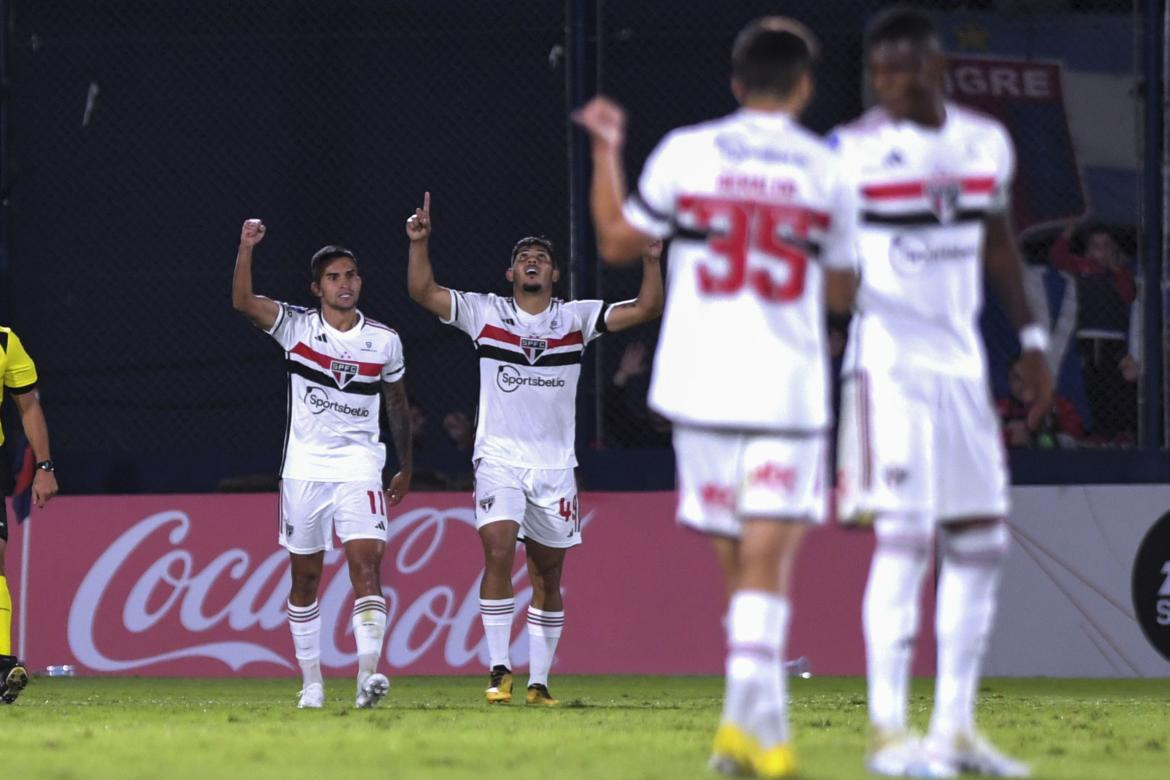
<point x="1033" y="337"/>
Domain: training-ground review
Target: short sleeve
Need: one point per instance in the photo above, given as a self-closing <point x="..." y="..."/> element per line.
<point x="20" y="373"/>
<point x="591" y="315"/>
<point x="650" y="207"/>
<point x="839" y="251"/>
<point x="395" y="366"/>
<point x="1005" y="173"/>
<point x="289" y="321"/>
<point x="467" y="312"/>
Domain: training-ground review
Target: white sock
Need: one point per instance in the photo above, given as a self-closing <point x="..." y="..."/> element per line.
<point x="756" y="696"/>
<point x="972" y="561"/>
<point x="890" y="615"/>
<point x="544" y="631"/>
<point x="305" y="625"/>
<point x="497" y="627"/>
<point x="369" y="626"/>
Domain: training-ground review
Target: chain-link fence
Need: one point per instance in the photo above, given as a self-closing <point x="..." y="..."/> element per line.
<point x="140" y="135"/>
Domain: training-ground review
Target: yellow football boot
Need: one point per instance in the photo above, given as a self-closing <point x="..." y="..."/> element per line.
<point x="732" y="752"/>
<point x="499" y="690"/>
<point x="538" y="694"/>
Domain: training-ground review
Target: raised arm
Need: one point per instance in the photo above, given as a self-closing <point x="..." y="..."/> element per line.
<point x="36" y="430"/>
<point x="398" y="417"/>
<point x="260" y="310"/>
<point x="648" y="305"/>
<point x="1002" y="264"/>
<point x="618" y="241"/>
<point x="420" y="277"/>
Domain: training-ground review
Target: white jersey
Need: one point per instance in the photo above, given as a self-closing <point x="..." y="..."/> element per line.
<point x="923" y="195"/>
<point x="529" y="365"/>
<point x="334" y="395"/>
<point x="755" y="206"/>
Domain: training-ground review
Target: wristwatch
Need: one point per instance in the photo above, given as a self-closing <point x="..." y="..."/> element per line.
<point x="45" y="465"/>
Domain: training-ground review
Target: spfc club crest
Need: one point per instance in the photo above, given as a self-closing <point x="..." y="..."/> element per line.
<point x="533" y="348"/>
<point x="343" y="372"/>
<point x="943" y="197"/>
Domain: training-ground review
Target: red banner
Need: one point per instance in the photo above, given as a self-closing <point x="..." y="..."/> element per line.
<point x="196" y="586"/>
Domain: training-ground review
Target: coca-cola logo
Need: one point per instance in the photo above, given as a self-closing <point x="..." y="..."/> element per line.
<point x="147" y="580"/>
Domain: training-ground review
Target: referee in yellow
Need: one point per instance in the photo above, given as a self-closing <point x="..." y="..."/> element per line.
<point x="20" y="381"/>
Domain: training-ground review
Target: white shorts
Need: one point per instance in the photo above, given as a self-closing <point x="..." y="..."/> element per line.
<point x="927" y="443"/>
<point x="542" y="501"/>
<point x="309" y="512"/>
<point x="726" y="476"/>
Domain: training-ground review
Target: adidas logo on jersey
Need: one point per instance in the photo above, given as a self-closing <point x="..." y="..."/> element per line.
<point x="893" y="158"/>
<point x="380" y="525"/>
<point x="319" y="337"/>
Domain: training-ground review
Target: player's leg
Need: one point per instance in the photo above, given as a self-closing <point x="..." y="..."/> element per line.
<point x="886" y="476"/>
<point x="758" y="621"/>
<point x="13" y="674"/>
<point x="499" y="506"/>
<point x="973" y="542"/>
<point x="782" y="492"/>
<point x="708" y="474"/>
<point x="304" y="509"/>
<point x="552" y="524"/>
<point x="361" y="521"/>
<point x="546" y="616"/>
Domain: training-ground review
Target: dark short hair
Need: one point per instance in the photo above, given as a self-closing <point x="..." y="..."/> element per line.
<point x="324" y="256"/>
<point x="528" y="241"/>
<point x="771" y="54"/>
<point x="900" y="23"/>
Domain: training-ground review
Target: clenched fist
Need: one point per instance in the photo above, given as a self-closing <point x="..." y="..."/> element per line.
<point x="252" y="232"/>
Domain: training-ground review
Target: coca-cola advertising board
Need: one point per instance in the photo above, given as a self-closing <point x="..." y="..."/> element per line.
<point x="196" y="585"/>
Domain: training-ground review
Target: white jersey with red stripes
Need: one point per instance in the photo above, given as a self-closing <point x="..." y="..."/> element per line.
<point x="923" y="194"/>
<point x="755" y="206"/>
<point x="335" y="394"/>
<point x="529" y="365"/>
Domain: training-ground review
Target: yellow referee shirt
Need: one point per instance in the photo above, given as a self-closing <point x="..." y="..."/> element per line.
<point x="20" y="373"/>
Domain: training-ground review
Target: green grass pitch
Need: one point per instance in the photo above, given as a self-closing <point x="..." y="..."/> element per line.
<point x="608" y="727"/>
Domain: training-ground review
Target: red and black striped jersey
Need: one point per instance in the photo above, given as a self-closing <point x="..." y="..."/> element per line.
<point x="529" y="365"/>
<point x="756" y="209"/>
<point x="335" y="394"/>
<point x="923" y="194"/>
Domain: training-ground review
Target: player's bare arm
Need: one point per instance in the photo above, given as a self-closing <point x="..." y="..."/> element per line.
<point x="840" y="290"/>
<point x="260" y="310"/>
<point x="420" y="277"/>
<point x="618" y="241"/>
<point x="398" y="417"/>
<point x="1002" y="265"/>
<point x="36" y="430"/>
<point x="648" y="305"/>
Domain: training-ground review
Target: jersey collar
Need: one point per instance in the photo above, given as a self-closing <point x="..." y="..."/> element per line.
<point x="361" y="320"/>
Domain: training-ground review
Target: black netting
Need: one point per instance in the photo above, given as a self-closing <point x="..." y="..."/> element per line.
<point x="141" y="134"/>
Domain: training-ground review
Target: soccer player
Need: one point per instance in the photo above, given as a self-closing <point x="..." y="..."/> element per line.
<point x="530" y="347"/>
<point x="759" y="223"/>
<point x="342" y="369"/>
<point x="20" y="380"/>
<point x="920" y="445"/>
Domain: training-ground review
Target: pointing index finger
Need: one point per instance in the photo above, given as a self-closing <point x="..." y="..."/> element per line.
<point x="426" y="203"/>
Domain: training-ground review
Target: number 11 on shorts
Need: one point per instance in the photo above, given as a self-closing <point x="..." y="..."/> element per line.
<point x="377" y="502"/>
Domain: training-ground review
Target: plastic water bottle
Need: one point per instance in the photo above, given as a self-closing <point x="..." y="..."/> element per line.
<point x="799" y="667"/>
<point x="62" y="670"/>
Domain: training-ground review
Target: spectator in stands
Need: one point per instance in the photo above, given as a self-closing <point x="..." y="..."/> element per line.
<point x="628" y="420"/>
<point x="1105" y="294"/>
<point x="1061" y="427"/>
<point x="460" y="429"/>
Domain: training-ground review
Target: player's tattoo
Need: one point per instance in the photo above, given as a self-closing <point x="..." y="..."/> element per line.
<point x="398" y="418"/>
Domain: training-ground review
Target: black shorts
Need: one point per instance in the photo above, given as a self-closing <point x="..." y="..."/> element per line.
<point x="3" y="521"/>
